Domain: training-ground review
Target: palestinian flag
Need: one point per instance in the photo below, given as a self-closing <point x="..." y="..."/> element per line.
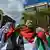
<point x="41" y="39"/>
<point x="48" y="38"/>
<point x="11" y="33"/>
<point x="40" y="44"/>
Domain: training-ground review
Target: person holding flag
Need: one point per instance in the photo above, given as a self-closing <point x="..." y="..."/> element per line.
<point x="25" y="38"/>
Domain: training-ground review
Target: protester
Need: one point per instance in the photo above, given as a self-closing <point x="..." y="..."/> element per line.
<point x="25" y="32"/>
<point x="3" y="32"/>
<point x="25" y="38"/>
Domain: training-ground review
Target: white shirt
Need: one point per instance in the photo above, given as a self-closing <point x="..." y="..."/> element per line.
<point x="30" y="46"/>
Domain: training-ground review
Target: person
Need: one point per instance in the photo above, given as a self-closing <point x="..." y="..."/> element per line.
<point x="3" y="31"/>
<point x="39" y="39"/>
<point x="44" y="36"/>
<point x="17" y="37"/>
<point x="25" y="37"/>
<point x="8" y="34"/>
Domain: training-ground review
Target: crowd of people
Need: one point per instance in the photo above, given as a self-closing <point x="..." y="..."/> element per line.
<point x="24" y="37"/>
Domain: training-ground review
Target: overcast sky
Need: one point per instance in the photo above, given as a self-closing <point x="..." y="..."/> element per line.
<point x="13" y="8"/>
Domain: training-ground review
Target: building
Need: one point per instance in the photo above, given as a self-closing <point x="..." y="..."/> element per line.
<point x="44" y="21"/>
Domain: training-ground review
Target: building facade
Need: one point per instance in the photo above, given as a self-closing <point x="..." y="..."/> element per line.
<point x="41" y="21"/>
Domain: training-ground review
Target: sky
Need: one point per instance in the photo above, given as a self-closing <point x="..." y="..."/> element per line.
<point x="30" y="2"/>
<point x="13" y="8"/>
